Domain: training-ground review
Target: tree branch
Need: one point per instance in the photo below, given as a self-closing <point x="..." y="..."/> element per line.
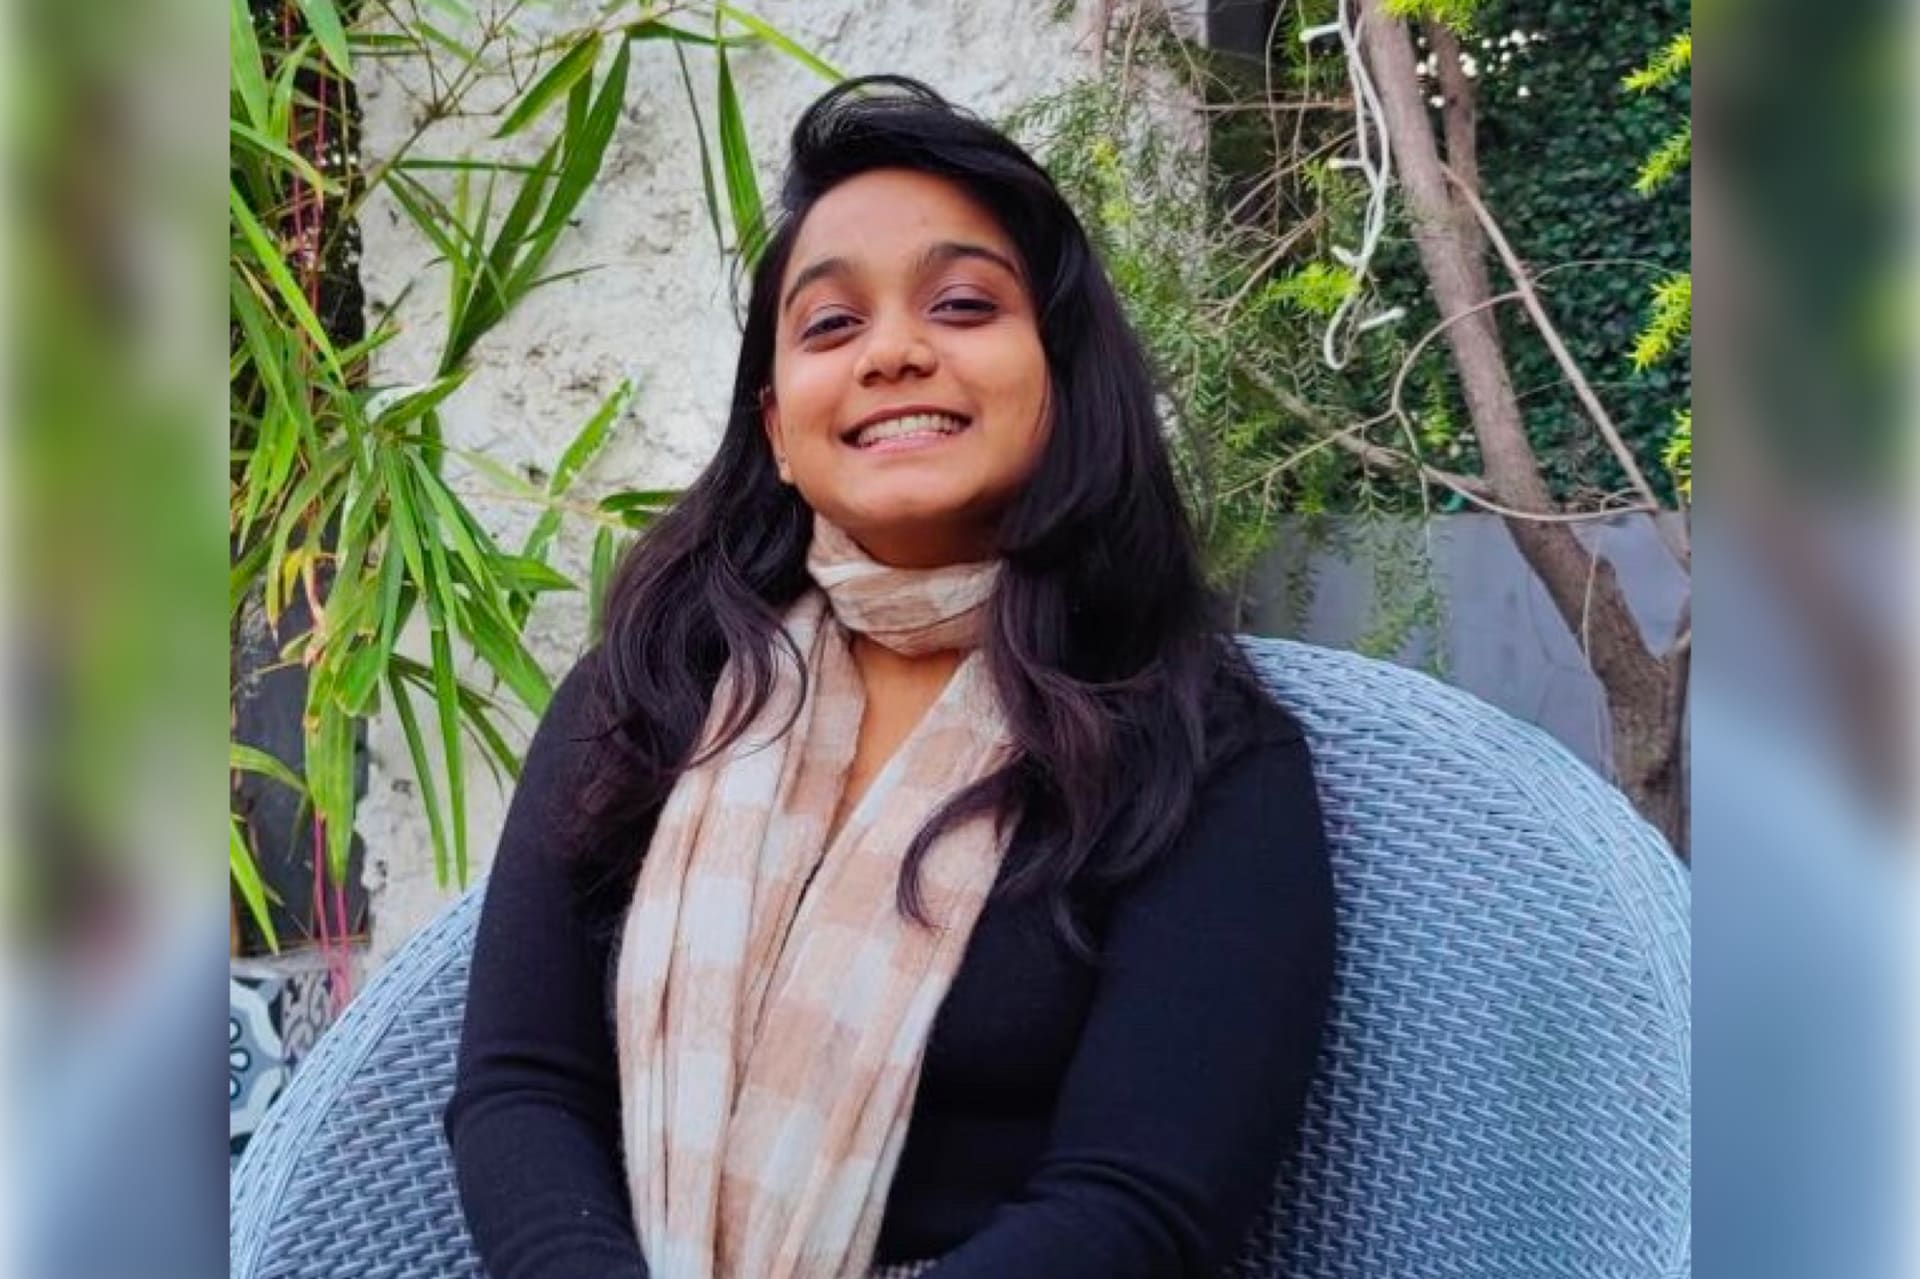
<point x="1675" y="538"/>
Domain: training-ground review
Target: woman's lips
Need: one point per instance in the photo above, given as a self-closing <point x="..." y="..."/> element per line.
<point x="908" y="432"/>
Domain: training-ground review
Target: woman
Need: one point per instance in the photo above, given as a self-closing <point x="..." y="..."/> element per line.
<point x="914" y="876"/>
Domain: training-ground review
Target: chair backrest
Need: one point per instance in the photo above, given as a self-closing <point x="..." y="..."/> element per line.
<point x="1505" y="1090"/>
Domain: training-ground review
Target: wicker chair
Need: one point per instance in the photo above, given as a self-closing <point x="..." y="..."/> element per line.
<point x="1504" y="1092"/>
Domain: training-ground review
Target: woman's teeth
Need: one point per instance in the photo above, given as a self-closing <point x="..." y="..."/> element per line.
<point x="899" y="427"/>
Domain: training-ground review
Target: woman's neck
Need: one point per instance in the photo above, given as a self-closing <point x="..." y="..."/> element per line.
<point x="885" y="671"/>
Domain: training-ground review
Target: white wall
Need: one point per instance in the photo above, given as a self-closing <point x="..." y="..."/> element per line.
<point x="656" y="309"/>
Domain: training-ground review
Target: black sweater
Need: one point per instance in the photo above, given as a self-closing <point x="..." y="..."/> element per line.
<point x="1113" y="1120"/>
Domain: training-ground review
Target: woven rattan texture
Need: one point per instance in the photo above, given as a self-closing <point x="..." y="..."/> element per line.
<point x="1504" y="1093"/>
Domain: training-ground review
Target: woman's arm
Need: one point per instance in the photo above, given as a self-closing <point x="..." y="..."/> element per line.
<point x="1187" y="1085"/>
<point x="534" y="1117"/>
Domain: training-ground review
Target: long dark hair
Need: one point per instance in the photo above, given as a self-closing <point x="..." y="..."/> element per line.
<point x="1118" y="679"/>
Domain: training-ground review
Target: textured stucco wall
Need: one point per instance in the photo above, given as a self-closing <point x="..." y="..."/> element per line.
<point x="656" y="309"/>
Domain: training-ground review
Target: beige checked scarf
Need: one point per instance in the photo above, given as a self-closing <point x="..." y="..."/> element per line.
<point x="772" y="1003"/>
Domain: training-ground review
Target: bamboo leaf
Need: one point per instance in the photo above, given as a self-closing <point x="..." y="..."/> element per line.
<point x="454" y="521"/>
<point x="359" y="679"/>
<point x="766" y="31"/>
<point x="466" y="53"/>
<point x="639" y="508"/>
<point x="423" y="773"/>
<point x="599" y="577"/>
<point x="559" y="78"/>
<point x="400" y="521"/>
<point x="470" y="166"/>
<point x="654" y="29"/>
<point x="494" y="749"/>
<point x="499" y="646"/>
<point x="585" y="150"/>
<point x="324" y="21"/>
<point x="736" y="162"/>
<point x="330" y="780"/>
<point x="249" y="136"/>
<point x="243" y="573"/>
<point x="532" y="576"/>
<point x="284" y="90"/>
<point x="246" y="73"/>
<point x="448" y="701"/>
<point x="312" y="500"/>
<point x="246" y="877"/>
<point x="275" y="266"/>
<point x="494" y="288"/>
<point x="250" y="759"/>
<point x="706" y="156"/>
<point x="475" y="706"/>
<point x="395" y="405"/>
<point x="419" y="205"/>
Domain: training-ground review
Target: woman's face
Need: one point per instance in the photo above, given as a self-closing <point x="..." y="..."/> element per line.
<point x="909" y="398"/>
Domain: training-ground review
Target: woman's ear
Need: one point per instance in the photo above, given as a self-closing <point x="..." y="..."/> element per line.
<point x="770" y="423"/>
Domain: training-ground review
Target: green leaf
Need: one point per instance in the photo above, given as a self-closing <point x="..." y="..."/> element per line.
<point x="599" y="577"/>
<point x="591" y="438"/>
<point x="766" y="31"/>
<point x="584" y="151"/>
<point x="706" y="157"/>
<point x="637" y="509"/>
<point x="448" y="700"/>
<point x="500" y="647"/>
<point x="246" y="73"/>
<point x="393" y="406"/>
<point x="423" y="773"/>
<point x="458" y="526"/>
<point x="736" y="162"/>
<point x="654" y="29"/>
<point x="243" y="573"/>
<point x="324" y="21"/>
<point x="250" y="759"/>
<point x="246" y="877"/>
<point x="531" y="575"/>
<point x="359" y="678"/>
<point x="330" y="780"/>
<point x="466" y="53"/>
<point x="290" y="292"/>
<point x="248" y="136"/>
<point x="559" y="78"/>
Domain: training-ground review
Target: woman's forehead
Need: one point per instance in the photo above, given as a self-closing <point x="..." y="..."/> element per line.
<point x="894" y="214"/>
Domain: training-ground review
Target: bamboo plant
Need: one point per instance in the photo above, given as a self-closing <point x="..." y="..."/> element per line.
<point x="338" y="493"/>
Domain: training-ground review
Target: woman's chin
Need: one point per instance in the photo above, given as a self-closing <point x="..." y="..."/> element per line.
<point x="912" y="529"/>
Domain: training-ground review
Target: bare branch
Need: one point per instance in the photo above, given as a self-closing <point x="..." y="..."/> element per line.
<point x="1675" y="537"/>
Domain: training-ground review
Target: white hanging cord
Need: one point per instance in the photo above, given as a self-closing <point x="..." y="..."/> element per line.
<point x="1370" y="141"/>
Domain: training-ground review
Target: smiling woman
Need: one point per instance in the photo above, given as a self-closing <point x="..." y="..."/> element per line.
<point x="914" y="878"/>
<point x="909" y="390"/>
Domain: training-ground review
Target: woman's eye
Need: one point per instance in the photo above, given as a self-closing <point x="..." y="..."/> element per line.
<point x="966" y="306"/>
<point x="825" y="326"/>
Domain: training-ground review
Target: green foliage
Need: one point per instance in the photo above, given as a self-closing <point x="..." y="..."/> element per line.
<point x="1667" y="160"/>
<point x="1234" y="341"/>
<point x="1665" y="67"/>
<point x="1555" y="169"/>
<point x="1316" y="289"/>
<point x="1670" y="317"/>
<point x="1457" y="14"/>
<point x="1671" y="322"/>
<point x="340" y="493"/>
<point x="1677" y="457"/>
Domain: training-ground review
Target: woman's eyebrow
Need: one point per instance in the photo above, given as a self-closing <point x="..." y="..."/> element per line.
<point x="824" y="267"/>
<point x="954" y="250"/>
<point x="938" y="254"/>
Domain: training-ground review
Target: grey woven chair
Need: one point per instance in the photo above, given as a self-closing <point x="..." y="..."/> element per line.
<point x="1504" y="1093"/>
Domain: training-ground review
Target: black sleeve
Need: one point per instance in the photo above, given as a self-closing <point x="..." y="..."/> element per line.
<point x="534" y="1118"/>
<point x="1188" y="1082"/>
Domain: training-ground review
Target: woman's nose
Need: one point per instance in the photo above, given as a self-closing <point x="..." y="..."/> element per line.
<point x="895" y="349"/>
